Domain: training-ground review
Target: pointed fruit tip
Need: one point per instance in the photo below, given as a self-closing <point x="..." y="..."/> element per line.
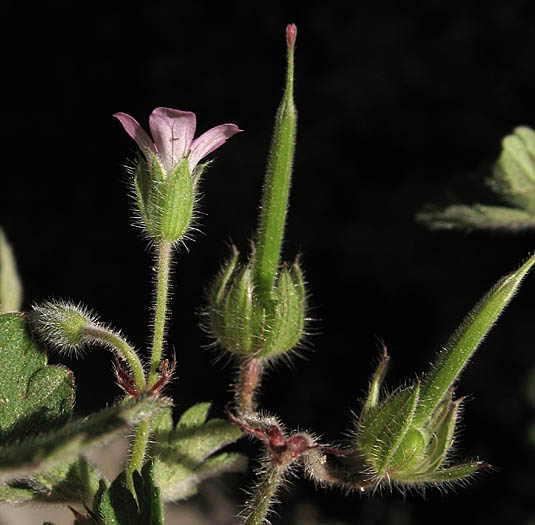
<point x="291" y="34"/>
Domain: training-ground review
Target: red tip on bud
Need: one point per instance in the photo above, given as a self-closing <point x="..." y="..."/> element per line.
<point x="291" y="34"/>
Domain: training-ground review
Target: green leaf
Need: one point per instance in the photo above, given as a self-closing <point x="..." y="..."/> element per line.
<point x="477" y="217"/>
<point x="513" y="180"/>
<point x="75" y="482"/>
<point x="10" y="284"/>
<point x="464" y="342"/>
<point x="44" y="450"/>
<point x="186" y="453"/>
<point x="34" y="397"/>
<point x="118" y="507"/>
<point x="513" y="176"/>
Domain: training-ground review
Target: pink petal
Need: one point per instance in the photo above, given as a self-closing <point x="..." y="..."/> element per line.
<point x="132" y="127"/>
<point x="172" y="131"/>
<point x="209" y="141"/>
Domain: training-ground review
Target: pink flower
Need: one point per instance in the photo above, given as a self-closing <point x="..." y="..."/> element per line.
<point x="172" y="131"/>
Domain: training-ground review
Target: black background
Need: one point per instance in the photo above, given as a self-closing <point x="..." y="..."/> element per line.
<point x="398" y="107"/>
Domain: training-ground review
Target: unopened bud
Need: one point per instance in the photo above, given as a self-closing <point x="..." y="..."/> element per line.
<point x="62" y="325"/>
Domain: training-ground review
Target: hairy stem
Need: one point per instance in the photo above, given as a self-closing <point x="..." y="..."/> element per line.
<point x="160" y="313"/>
<point x="141" y="439"/>
<point x="99" y="333"/>
<point x="263" y="496"/>
<point x="250" y="373"/>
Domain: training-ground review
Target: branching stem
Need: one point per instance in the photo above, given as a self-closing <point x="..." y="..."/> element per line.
<point x="160" y="316"/>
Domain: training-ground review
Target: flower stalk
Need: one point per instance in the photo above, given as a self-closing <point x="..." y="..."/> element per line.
<point x="110" y="338"/>
<point x="160" y="312"/>
<point x="249" y="379"/>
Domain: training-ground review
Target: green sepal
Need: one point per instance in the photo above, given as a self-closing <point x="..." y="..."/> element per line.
<point x="142" y="187"/>
<point x="34" y="397"/>
<point x="445" y="475"/>
<point x="218" y="289"/>
<point x="442" y="437"/>
<point x="245" y="323"/>
<point x="289" y="319"/>
<point x="238" y="313"/>
<point x="187" y="452"/>
<point x="165" y="201"/>
<point x="10" y="283"/>
<point x="382" y="428"/>
<point x="376" y="383"/>
<point x="465" y="340"/>
<point x="198" y="173"/>
<point x="176" y="204"/>
<point x="117" y="506"/>
<point x="75" y="482"/>
<point x="42" y="451"/>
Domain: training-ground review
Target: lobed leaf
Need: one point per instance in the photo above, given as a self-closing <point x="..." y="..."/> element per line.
<point x="42" y="451"/>
<point x="34" y="397"/>
<point x="74" y="482"/>
<point x="186" y="452"/>
<point x="117" y="506"/>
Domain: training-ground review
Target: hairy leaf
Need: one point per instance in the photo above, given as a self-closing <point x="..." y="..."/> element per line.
<point x="117" y="506"/>
<point x="41" y="451"/>
<point x="186" y="452"/>
<point x="74" y="482"/>
<point x="34" y="397"/>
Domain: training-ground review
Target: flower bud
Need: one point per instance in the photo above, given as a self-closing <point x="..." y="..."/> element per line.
<point x="243" y="323"/>
<point x="61" y="324"/>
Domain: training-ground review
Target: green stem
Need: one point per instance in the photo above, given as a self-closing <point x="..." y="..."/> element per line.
<point x="102" y="335"/>
<point x="160" y="316"/>
<point x="274" y="203"/>
<point x="138" y="454"/>
<point x="263" y="496"/>
<point x="160" y="313"/>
